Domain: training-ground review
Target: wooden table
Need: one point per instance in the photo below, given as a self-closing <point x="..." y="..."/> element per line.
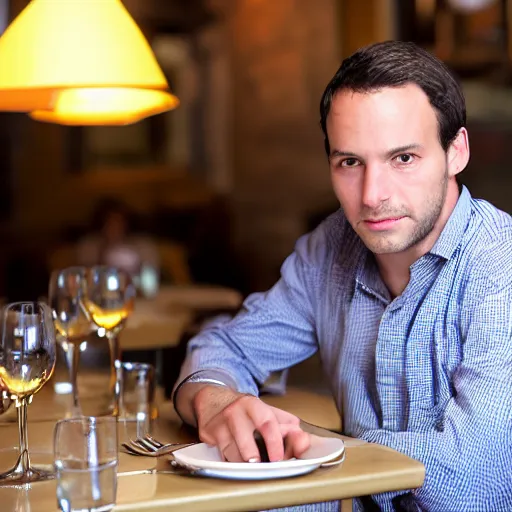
<point x="200" y="297"/>
<point x="152" y="329"/>
<point x="161" y="322"/>
<point x="368" y="469"/>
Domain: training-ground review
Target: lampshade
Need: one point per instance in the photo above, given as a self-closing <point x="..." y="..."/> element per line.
<point x="469" y="6"/>
<point x="80" y="62"/>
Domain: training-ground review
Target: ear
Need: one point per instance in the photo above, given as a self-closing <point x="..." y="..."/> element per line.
<point x="458" y="153"/>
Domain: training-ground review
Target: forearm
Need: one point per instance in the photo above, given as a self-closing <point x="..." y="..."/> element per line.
<point x="247" y="351"/>
<point x="185" y="392"/>
<point x="273" y="331"/>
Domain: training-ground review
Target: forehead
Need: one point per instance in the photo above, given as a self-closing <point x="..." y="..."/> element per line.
<point x="391" y="116"/>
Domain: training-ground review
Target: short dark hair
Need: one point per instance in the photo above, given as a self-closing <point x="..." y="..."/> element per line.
<point x="395" y="64"/>
<point x="108" y="206"/>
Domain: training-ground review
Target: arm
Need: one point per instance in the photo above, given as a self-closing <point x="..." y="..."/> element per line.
<point x="274" y="330"/>
<point x="469" y="460"/>
<point x="186" y="391"/>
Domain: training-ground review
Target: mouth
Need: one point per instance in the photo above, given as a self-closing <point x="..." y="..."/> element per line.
<point x="382" y="224"/>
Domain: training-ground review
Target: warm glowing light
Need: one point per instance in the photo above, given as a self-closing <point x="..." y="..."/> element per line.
<point x="469" y="6"/>
<point x="100" y="105"/>
<point x="80" y="62"/>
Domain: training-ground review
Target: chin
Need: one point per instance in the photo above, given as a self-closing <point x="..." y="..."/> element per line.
<point x="385" y="246"/>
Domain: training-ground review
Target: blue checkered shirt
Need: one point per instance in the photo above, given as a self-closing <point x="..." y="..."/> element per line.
<point x="428" y="373"/>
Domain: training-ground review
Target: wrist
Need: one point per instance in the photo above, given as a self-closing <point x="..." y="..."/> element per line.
<point x="184" y="393"/>
<point x="210" y="400"/>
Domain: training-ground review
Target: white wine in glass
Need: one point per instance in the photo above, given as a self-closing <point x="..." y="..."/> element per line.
<point x="27" y="361"/>
<point x="110" y="299"/>
<point x="71" y="319"/>
<point x="111" y="320"/>
<point x="28" y="379"/>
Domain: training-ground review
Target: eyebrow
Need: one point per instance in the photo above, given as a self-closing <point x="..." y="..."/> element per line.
<point x="401" y="149"/>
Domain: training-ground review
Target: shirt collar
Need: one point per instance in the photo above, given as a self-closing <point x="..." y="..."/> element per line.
<point x="367" y="273"/>
<point x="368" y="276"/>
<point x="452" y="233"/>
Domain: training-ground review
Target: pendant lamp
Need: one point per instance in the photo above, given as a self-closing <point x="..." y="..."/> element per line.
<point x="470" y="6"/>
<point x="80" y="62"/>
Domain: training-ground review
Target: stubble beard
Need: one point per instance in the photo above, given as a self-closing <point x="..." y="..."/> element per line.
<point x="383" y="244"/>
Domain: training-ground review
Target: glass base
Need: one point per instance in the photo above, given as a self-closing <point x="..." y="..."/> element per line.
<point x="15" y="476"/>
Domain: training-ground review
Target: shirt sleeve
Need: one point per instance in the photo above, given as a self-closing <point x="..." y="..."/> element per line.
<point x="273" y="331"/>
<point x="469" y="459"/>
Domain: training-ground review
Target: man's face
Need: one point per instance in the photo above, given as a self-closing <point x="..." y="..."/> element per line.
<point x="388" y="168"/>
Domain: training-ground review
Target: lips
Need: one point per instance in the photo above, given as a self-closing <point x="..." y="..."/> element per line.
<point x="382" y="224"/>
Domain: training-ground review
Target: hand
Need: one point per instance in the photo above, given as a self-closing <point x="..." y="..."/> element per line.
<point x="228" y="420"/>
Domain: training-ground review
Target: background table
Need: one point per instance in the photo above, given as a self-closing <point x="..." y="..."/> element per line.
<point x="200" y="297"/>
<point x="150" y="328"/>
<point x="162" y="321"/>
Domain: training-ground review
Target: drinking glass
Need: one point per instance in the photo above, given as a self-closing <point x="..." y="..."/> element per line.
<point x="86" y="459"/>
<point x="72" y="321"/>
<point x="110" y="300"/>
<point x="137" y="403"/>
<point x="27" y="360"/>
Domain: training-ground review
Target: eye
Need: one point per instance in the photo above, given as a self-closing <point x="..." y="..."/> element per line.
<point x="349" y="162"/>
<point x="405" y="158"/>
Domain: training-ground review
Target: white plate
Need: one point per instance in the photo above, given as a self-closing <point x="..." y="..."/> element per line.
<point x="207" y="461"/>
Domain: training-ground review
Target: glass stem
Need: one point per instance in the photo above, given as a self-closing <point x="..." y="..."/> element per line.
<point x="23" y="465"/>
<point x="73" y="360"/>
<point x="115" y="360"/>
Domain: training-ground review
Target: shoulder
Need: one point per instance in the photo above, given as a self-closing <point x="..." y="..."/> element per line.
<point x="333" y="238"/>
<point x="495" y="224"/>
<point x="488" y="251"/>
<point x="493" y="254"/>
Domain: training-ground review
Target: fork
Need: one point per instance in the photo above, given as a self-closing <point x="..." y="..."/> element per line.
<point x="150" y="447"/>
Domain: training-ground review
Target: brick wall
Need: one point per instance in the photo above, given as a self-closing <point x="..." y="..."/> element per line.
<point x="283" y="53"/>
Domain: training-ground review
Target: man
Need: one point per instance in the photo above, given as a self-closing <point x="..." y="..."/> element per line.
<point x="406" y="292"/>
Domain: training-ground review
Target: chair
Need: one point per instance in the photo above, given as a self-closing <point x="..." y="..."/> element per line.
<point x="174" y="266"/>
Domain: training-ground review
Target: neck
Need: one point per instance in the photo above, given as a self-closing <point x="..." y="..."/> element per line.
<point x="394" y="268"/>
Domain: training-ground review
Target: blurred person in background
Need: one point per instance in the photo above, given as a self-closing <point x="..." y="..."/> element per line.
<point x="115" y="242"/>
<point x="406" y="291"/>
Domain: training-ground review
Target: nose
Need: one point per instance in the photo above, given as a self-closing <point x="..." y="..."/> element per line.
<point x="375" y="186"/>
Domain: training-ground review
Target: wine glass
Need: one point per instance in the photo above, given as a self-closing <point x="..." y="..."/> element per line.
<point x="72" y="321"/>
<point x="27" y="360"/>
<point x="110" y="299"/>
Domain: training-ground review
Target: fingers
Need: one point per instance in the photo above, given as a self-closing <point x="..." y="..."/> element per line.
<point x="274" y="426"/>
<point x="232" y="454"/>
<point x="271" y="434"/>
<point x="296" y="443"/>
<point x="236" y="439"/>
<point x="232" y="431"/>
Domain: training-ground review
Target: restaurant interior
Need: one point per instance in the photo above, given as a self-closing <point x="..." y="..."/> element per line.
<point x="232" y="177"/>
<point x="222" y="185"/>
